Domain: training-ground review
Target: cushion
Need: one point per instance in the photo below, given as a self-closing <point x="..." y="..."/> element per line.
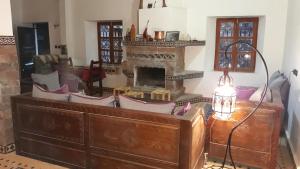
<point x="244" y="92"/>
<point x="276" y="83"/>
<point x="284" y="92"/>
<point x="274" y="76"/>
<point x="184" y="109"/>
<point x="71" y="80"/>
<point x="129" y="103"/>
<point x="39" y="92"/>
<point x="62" y="90"/>
<point x="100" y="101"/>
<point x="256" y="96"/>
<point x="50" y="80"/>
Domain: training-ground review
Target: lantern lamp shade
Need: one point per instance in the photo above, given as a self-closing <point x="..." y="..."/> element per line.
<point x="224" y="98"/>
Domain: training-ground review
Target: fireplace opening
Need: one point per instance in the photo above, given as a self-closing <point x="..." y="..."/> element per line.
<point x="150" y="77"/>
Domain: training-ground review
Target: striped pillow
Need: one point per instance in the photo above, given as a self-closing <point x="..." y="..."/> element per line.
<point x="39" y="92"/>
<point x="128" y="103"/>
<point x="100" y="101"/>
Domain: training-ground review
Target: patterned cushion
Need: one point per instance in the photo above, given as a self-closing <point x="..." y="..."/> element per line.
<point x="39" y="92"/>
<point x="128" y="103"/>
<point x="100" y="101"/>
<point x="50" y="80"/>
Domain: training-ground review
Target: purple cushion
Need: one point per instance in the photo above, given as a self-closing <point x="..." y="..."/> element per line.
<point x="244" y="92"/>
<point x="184" y="109"/>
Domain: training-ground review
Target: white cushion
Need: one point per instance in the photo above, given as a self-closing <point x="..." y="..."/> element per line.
<point x="277" y="83"/>
<point x="256" y="96"/>
<point x="50" y="80"/>
<point x="274" y="76"/>
<point x="39" y="92"/>
<point x="129" y="103"/>
<point x="100" y="101"/>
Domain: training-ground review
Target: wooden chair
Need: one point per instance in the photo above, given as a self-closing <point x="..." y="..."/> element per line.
<point x="95" y="75"/>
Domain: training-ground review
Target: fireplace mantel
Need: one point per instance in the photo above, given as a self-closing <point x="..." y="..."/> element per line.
<point x="164" y="43"/>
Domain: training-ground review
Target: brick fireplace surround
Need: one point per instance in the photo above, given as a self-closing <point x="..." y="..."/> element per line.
<point x="9" y="86"/>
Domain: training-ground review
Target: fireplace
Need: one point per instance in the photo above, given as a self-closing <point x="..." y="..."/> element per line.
<point x="150" y="77"/>
<point x="159" y="64"/>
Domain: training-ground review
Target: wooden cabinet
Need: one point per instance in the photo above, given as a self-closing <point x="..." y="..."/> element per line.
<point x="254" y="143"/>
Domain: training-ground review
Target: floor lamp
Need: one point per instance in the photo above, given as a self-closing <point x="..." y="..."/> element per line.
<point x="224" y="99"/>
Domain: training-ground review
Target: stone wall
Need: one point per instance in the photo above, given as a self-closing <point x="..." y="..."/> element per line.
<point x="9" y="86"/>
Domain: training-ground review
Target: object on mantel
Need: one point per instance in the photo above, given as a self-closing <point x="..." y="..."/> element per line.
<point x="164" y="4"/>
<point x="145" y="33"/>
<point x="141" y="4"/>
<point x="159" y="35"/>
<point x="132" y="33"/>
<point x="164" y="43"/>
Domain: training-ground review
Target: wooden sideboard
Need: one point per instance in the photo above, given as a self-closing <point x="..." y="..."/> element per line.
<point x="255" y="143"/>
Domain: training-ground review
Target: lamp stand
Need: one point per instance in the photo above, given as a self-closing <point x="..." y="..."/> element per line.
<point x="228" y="147"/>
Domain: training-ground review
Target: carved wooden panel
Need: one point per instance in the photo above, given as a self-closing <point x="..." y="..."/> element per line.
<point x="254" y="134"/>
<point x="103" y="162"/>
<point x="53" y="153"/>
<point x="154" y="140"/>
<point x="56" y="123"/>
<point x="198" y="133"/>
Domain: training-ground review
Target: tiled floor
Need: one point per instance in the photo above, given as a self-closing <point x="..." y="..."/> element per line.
<point x="13" y="161"/>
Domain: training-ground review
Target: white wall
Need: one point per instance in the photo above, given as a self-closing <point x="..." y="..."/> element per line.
<point x="80" y="16"/>
<point x="292" y="61"/>
<point x="201" y="26"/>
<point x="5" y="18"/>
<point x="34" y="11"/>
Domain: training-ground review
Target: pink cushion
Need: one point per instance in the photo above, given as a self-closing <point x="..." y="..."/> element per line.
<point x="244" y="92"/>
<point x="62" y="90"/>
<point x="129" y="103"/>
<point x="184" y="109"/>
<point x="100" y="101"/>
<point x="39" y="92"/>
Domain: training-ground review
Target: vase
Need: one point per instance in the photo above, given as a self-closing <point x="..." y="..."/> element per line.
<point x="164" y="4"/>
<point x="141" y="4"/>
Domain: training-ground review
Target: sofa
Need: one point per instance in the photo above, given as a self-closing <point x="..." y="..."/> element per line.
<point x="97" y="137"/>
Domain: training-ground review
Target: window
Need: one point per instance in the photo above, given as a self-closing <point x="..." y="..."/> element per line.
<point x="241" y="58"/>
<point x="110" y="41"/>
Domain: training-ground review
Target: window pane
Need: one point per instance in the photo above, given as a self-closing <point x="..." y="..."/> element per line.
<point x="244" y="60"/>
<point x="117" y="30"/>
<point x="104" y="29"/>
<point x="224" y="43"/>
<point x="227" y="29"/>
<point x="105" y="56"/>
<point x="245" y="47"/>
<point x="105" y="44"/>
<point x="225" y="62"/>
<point x="246" y="29"/>
<point x="117" y="44"/>
<point x="118" y="57"/>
